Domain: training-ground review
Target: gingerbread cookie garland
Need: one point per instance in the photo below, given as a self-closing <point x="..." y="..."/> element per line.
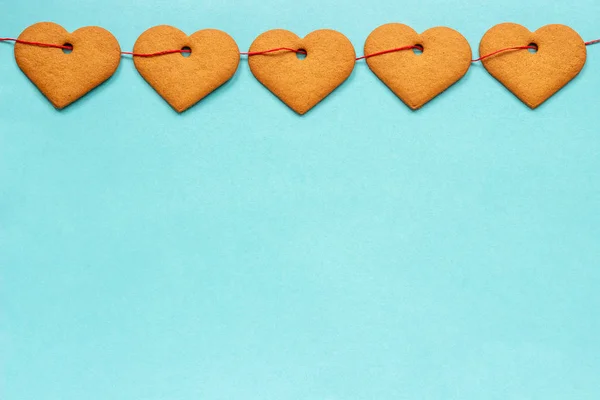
<point x="301" y="72"/>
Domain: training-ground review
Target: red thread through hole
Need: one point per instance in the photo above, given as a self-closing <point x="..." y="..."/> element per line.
<point x="258" y="53"/>
<point x="528" y="47"/>
<point x="67" y="48"/>
<point x="379" y="53"/>
<point x="181" y="51"/>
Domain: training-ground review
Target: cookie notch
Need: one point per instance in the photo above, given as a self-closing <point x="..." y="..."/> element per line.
<point x="418" y="78"/>
<point x="302" y="83"/>
<point x="66" y="77"/>
<point x="534" y="77"/>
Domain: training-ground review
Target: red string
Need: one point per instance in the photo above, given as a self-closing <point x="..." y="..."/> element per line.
<point x="502" y="51"/>
<point x="57" y="46"/>
<point x="390" y="51"/>
<point x="256" y="53"/>
<point x="158" y="53"/>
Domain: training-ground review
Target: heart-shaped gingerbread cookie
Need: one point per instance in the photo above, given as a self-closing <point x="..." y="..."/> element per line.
<point x="302" y="83"/>
<point x="418" y="78"/>
<point x="64" y="77"/>
<point x="533" y="77"/>
<point x="184" y="79"/>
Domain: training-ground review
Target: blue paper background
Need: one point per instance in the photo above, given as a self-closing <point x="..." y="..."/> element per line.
<point x="239" y="251"/>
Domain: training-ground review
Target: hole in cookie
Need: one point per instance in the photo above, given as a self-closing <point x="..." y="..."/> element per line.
<point x="533" y="48"/>
<point x="69" y="49"/>
<point x="301" y="54"/>
<point x="419" y="49"/>
<point x="186" y="51"/>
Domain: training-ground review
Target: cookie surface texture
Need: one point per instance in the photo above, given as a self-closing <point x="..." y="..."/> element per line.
<point x="533" y="77"/>
<point x="418" y="78"/>
<point x="184" y="79"/>
<point x="64" y="77"/>
<point x="302" y="83"/>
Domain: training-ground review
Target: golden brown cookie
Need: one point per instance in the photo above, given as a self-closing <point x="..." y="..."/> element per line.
<point x="533" y="77"/>
<point x="64" y="78"/>
<point x="302" y="83"/>
<point x="183" y="81"/>
<point x="418" y="78"/>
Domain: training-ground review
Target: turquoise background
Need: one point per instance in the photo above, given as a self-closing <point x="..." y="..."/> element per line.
<point x="240" y="251"/>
